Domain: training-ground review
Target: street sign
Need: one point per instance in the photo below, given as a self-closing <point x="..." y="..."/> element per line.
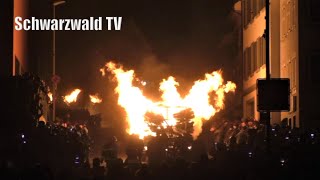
<point x="273" y="95"/>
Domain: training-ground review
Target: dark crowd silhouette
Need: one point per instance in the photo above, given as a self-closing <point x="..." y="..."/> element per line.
<point x="237" y="152"/>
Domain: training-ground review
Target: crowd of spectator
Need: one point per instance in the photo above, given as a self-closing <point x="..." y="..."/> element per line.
<point x="50" y="147"/>
<point x="239" y="151"/>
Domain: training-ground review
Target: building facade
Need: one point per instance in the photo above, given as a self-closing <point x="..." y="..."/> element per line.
<point x="254" y="53"/>
<point x="294" y="54"/>
<point x="300" y="59"/>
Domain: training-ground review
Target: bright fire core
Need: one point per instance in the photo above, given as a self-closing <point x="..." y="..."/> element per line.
<point x="136" y="105"/>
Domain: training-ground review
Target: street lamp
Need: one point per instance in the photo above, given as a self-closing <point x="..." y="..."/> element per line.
<point x="55" y="3"/>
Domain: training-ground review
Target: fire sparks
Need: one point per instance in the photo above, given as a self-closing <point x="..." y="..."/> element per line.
<point x="199" y="99"/>
<point x="95" y="99"/>
<point x="72" y="97"/>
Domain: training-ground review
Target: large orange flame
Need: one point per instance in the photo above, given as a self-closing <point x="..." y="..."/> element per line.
<point x="72" y="97"/>
<point x="136" y="105"/>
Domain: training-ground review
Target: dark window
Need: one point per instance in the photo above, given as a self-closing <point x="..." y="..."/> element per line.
<point x="245" y="12"/>
<point x="315" y="66"/>
<point x="258" y="53"/>
<point x="250" y="109"/>
<point x="248" y="11"/>
<point x="314" y="10"/>
<point x="249" y="61"/>
<point x="263" y="51"/>
<point x="258" y="6"/>
<point x="255" y="59"/>
<point x="294" y="104"/>
<point x="252" y="59"/>
<point x="245" y="63"/>
<point x="251" y="8"/>
<point x="254" y="8"/>
<point x="262" y="4"/>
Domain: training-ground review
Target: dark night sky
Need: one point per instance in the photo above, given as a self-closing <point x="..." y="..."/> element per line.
<point x="182" y="35"/>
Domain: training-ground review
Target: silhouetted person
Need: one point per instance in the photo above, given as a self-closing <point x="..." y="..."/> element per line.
<point x="98" y="171"/>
